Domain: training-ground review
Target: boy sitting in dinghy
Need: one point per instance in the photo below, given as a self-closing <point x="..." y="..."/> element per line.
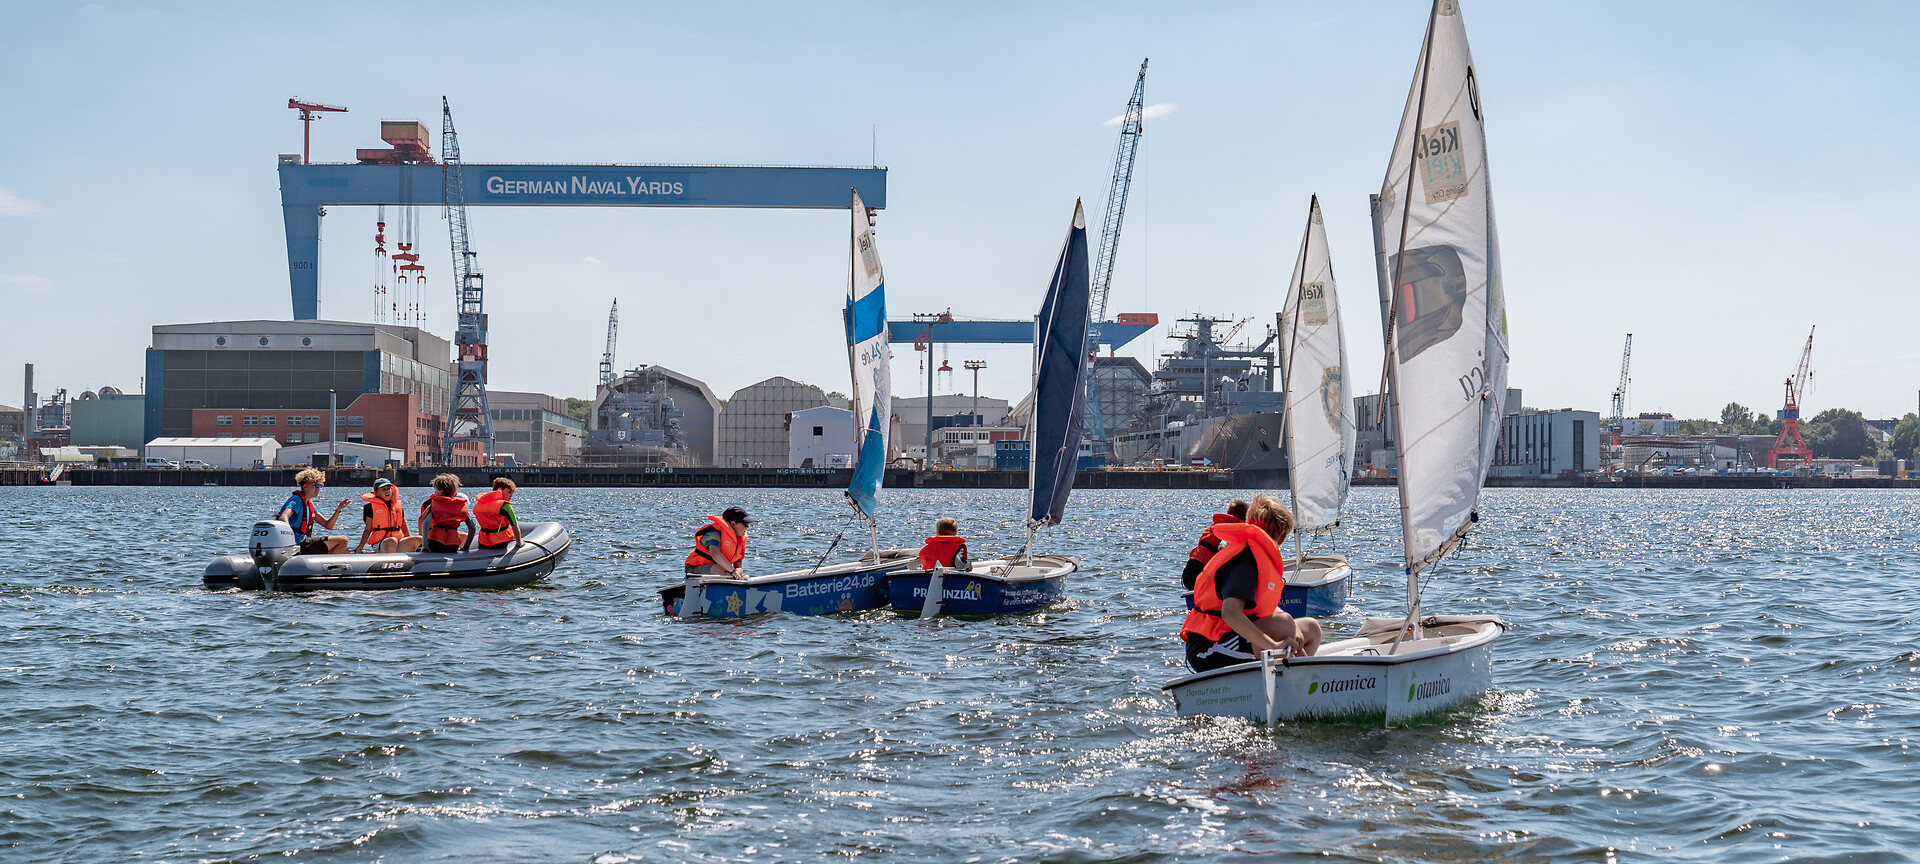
<point x="1236" y="601"/>
<point x="946" y="548"/>
<point x="442" y="515"/>
<point x="301" y="513"/>
<point x="1210" y="542"/>
<point x="720" y="546"/>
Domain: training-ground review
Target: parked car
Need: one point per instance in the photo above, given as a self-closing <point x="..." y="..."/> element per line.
<point x="195" y="465"/>
<point x="157" y="462"/>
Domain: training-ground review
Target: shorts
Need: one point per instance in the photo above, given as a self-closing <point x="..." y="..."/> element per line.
<point x="437" y="546"/>
<point x="1204" y="654"/>
<point x="313" y="546"/>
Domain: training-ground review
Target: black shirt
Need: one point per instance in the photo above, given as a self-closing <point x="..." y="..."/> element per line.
<point x="1239" y="577"/>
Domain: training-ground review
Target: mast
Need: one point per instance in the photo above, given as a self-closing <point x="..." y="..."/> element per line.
<point x="1288" y="350"/>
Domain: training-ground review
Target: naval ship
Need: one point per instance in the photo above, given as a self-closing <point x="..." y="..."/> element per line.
<point x="1210" y="405"/>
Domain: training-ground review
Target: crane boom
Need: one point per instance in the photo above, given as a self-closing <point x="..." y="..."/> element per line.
<point x="468" y="418"/>
<point x="1132" y="125"/>
<point x="613" y="329"/>
<point x="1620" y="391"/>
<point x="307" y="116"/>
<point x="1789" y="442"/>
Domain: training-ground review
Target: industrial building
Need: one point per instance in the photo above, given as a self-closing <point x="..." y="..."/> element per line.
<point x="973" y="448"/>
<point x="820" y="437"/>
<point x="13" y="433"/>
<point x="327" y="453"/>
<point x="959" y="409"/>
<point x="108" y="418"/>
<point x="291" y="367"/>
<point x="380" y="419"/>
<point x="217" y="452"/>
<point x="1548" y="444"/>
<point x="652" y="416"/>
<point x="753" y="425"/>
<point x="534" y="428"/>
<point x="1120" y="393"/>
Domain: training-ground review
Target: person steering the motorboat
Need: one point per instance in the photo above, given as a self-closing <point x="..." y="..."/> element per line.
<point x="720" y="546"/>
<point x="946" y="548"/>
<point x="442" y="515"/>
<point x="499" y="527"/>
<point x="385" y="519"/>
<point x="301" y="515"/>
<point x="1236" y="600"/>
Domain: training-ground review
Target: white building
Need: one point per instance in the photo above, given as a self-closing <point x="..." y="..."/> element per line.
<point x="217" y="452"/>
<point x="348" y="452"/>
<point x="820" y="437"/>
<point x="753" y="424"/>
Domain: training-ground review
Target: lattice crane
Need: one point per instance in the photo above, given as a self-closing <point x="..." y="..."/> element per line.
<point x="1132" y="127"/>
<point x="1789" y="442"/>
<point x="1620" y="391"/>
<point x="613" y="330"/>
<point x="467" y="416"/>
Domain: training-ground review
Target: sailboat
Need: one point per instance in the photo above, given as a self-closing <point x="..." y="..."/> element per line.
<point x="1024" y="581"/>
<point x="1317" y="423"/>
<point x="860" y="584"/>
<point x="1446" y="364"/>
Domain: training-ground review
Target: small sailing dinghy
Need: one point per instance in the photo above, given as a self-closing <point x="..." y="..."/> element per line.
<point x="1318" y="424"/>
<point x="1024" y="582"/>
<point x="272" y="563"/>
<point x="1446" y="365"/>
<point x="849" y="586"/>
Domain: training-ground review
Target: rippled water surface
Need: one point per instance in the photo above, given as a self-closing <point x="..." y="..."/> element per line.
<point x="1703" y="676"/>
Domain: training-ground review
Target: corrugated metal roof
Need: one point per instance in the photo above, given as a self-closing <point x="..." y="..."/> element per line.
<point x="211" y="442"/>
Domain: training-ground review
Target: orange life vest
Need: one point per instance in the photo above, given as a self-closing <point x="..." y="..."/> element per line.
<point x="732" y="547"/>
<point x="1205" y="618"/>
<point x="388" y="519"/>
<point x="445" y="516"/>
<point x="494" y="527"/>
<point x="941" y="550"/>
<point x="1210" y="539"/>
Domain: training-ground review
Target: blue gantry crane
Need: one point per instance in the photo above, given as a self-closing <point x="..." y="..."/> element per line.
<point x="467" y="415"/>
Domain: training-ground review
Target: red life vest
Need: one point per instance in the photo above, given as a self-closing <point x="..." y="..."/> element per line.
<point x="445" y="516"/>
<point x="1210" y="539"/>
<point x="494" y="527"/>
<point x="304" y="526"/>
<point x="732" y="546"/>
<point x="1205" y="618"/>
<point x="941" y="550"/>
<point x="387" y="519"/>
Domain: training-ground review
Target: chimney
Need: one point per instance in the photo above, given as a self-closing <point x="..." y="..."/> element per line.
<point x="26" y="403"/>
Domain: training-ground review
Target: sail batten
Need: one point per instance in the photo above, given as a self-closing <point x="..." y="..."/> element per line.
<point x="1447" y="346"/>
<point x="868" y="354"/>
<point x="1319" y="416"/>
<point x="1060" y="380"/>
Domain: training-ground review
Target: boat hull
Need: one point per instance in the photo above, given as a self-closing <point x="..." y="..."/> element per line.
<point x="1316" y="587"/>
<point x="1449" y="666"/>
<point x="852" y="586"/>
<point x="546" y="546"/>
<point x="996" y="587"/>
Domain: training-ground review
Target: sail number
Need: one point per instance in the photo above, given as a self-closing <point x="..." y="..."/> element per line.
<point x="1472" y="382"/>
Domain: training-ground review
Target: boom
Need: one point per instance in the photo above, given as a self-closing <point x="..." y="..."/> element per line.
<point x="613" y="329"/>
<point x="1620" y="391"/>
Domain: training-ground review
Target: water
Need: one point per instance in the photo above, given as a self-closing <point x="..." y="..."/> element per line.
<point x="1694" y="676"/>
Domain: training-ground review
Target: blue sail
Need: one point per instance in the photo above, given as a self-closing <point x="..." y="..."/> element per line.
<point x="1060" y="380"/>
<point x="868" y="353"/>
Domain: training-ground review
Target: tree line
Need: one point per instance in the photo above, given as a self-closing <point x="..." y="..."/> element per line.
<point x="1835" y="433"/>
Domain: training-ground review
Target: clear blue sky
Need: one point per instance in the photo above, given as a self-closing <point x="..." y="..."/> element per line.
<point x="1714" y="177"/>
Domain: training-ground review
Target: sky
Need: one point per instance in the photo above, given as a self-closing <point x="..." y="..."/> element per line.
<point x="1715" y="178"/>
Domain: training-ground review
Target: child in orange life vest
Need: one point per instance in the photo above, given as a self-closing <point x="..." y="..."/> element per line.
<point x="946" y="548"/>
<point x="385" y="521"/>
<point x="1236" y="599"/>
<point x="499" y="527"/>
<point x="442" y="515"/>
<point x="1210" y="542"/>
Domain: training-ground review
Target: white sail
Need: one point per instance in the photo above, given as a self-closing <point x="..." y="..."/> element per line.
<point x="1313" y="363"/>
<point x="1447" y="338"/>
<point x="869" y="352"/>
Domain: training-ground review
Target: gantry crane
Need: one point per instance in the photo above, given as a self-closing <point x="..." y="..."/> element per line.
<point x="613" y="330"/>
<point x="467" y="416"/>
<point x="1789" y="442"/>
<point x="307" y="116"/>
<point x="1620" y="391"/>
<point x="1132" y="127"/>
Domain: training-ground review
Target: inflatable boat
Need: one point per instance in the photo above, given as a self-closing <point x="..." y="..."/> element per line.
<point x="272" y="565"/>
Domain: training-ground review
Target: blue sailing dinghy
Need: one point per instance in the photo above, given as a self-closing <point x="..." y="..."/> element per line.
<point x="1024" y="582"/>
<point x="849" y="586"/>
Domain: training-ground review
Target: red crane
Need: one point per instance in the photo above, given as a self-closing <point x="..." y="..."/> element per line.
<point x="1790" y="414"/>
<point x="307" y="117"/>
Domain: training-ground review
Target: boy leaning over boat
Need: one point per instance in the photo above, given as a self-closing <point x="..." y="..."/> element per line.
<point x="720" y="546"/>
<point x="1236" y="600"/>
<point x="946" y="548"/>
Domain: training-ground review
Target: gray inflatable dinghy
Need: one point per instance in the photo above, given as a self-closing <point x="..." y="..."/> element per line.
<point x="273" y="566"/>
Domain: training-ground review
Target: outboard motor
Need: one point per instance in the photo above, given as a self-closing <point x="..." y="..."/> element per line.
<point x="271" y="546"/>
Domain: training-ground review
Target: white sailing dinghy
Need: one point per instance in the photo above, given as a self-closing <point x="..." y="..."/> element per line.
<point x="1447" y="371"/>
<point x="1317" y="422"/>
<point x="1024" y="582"/>
<point x="860" y="584"/>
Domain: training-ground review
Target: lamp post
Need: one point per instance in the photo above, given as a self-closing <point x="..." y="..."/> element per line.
<point x="975" y="366"/>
